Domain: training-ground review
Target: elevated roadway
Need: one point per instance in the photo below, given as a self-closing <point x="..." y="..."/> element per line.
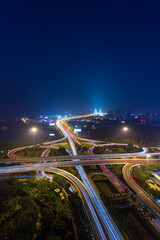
<point x="12" y="154"/>
<point x="141" y="193"/>
<point x="79" y="162"/>
<point x="108" y="224"/>
<point x="106" y="228"/>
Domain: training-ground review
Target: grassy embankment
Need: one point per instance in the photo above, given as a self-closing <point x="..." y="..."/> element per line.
<point x="41" y="209"/>
<point x="143" y="173"/>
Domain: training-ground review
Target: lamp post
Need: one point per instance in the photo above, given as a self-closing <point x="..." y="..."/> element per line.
<point x="34" y="130"/>
<point x="125" y="129"/>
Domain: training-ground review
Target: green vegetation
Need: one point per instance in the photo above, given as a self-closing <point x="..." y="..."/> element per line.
<point x="82" y="150"/>
<point x="65" y="145"/>
<point x="30" y="152"/>
<point x="116" y="149"/>
<point x="41" y="210"/>
<point x="8" y="145"/>
<point x="143" y="173"/>
<point x="61" y="151"/>
<point x="87" y="145"/>
<point x="19" y="213"/>
<point x="72" y="170"/>
<point x="80" y="218"/>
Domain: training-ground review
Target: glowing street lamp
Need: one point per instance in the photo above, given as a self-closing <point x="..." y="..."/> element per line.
<point x="34" y="130"/>
<point x="125" y="129"/>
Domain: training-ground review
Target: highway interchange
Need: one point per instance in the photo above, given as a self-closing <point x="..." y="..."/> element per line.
<point x="102" y="222"/>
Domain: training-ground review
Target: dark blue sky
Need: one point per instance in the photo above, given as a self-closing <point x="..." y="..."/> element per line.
<point x="58" y="56"/>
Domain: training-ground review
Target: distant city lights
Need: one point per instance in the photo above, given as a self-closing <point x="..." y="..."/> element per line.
<point x="51" y="134"/>
<point x="77" y="130"/>
<point x="122" y="121"/>
<point x="98" y="113"/>
<point x="51" y="124"/>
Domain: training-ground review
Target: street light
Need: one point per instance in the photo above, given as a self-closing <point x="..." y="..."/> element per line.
<point x="125" y="129"/>
<point x="34" y="130"/>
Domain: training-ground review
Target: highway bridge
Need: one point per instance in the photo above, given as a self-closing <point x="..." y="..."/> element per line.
<point x="78" y="162"/>
<point x="103" y="223"/>
<point x="108" y="224"/>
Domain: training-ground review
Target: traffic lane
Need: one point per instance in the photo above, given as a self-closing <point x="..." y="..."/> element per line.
<point x="75" y="156"/>
<point x="107" y="222"/>
<point x="138" y="189"/>
<point x="78" y="162"/>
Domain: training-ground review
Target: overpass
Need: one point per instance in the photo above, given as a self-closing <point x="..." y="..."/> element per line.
<point x="90" y="160"/>
<point x="106" y="222"/>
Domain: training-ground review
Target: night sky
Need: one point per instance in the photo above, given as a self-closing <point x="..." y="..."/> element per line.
<point x="59" y="56"/>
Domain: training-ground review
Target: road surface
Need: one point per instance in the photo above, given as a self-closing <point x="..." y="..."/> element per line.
<point x="78" y="162"/>
<point x="111" y="228"/>
<point x="140" y="192"/>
